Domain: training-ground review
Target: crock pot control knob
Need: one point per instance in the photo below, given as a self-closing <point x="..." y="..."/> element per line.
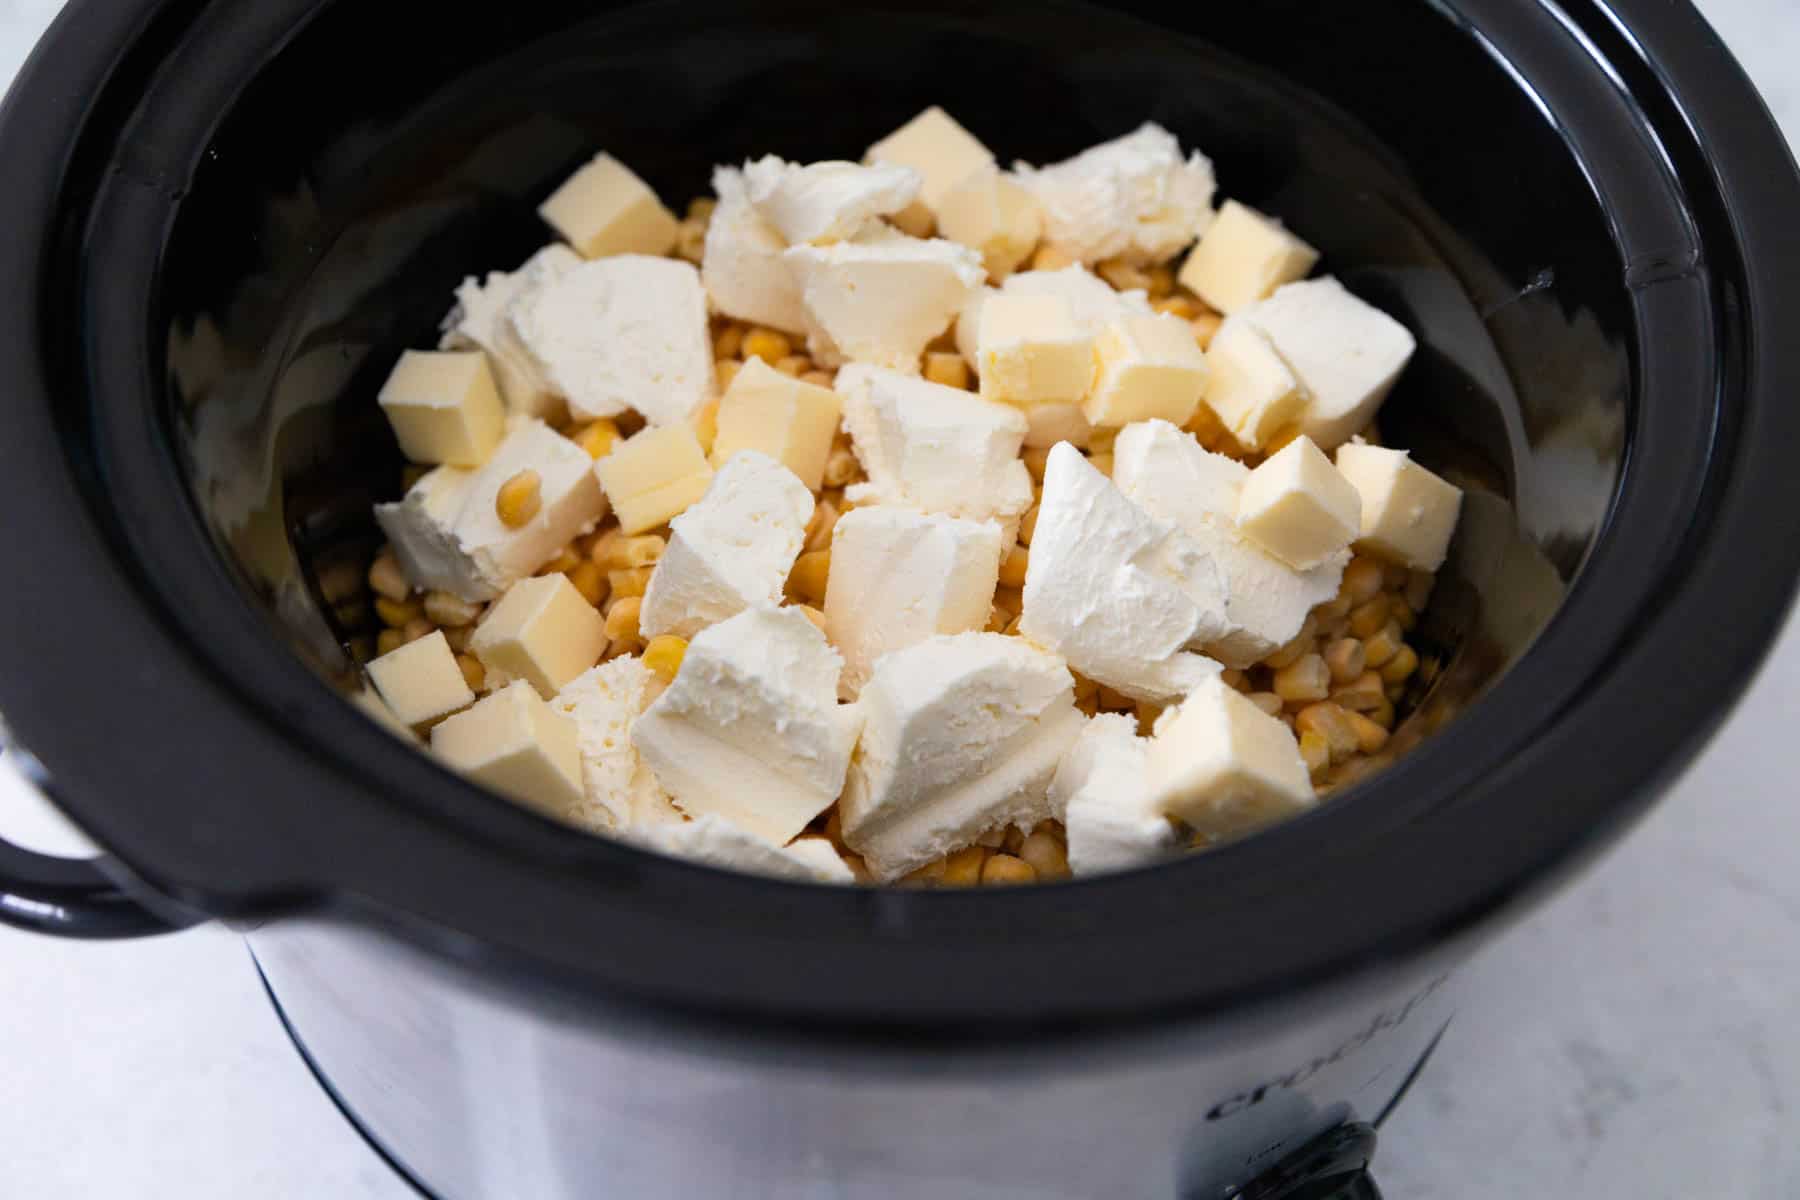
<point x="1333" y="1166"/>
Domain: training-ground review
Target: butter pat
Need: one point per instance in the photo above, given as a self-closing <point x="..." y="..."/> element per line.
<point x="732" y="550"/>
<point x="1032" y="353"/>
<point x="882" y="297"/>
<point x="962" y="735"/>
<point x="1135" y="198"/>
<point x="777" y="415"/>
<point x="444" y="407"/>
<point x="1225" y="767"/>
<point x="940" y="150"/>
<point x="448" y="536"/>
<point x="720" y="843"/>
<point x="990" y="213"/>
<point x="420" y="682"/>
<point x="1299" y="507"/>
<point x="1148" y="367"/>
<point x="541" y="631"/>
<point x="482" y="320"/>
<point x="741" y="265"/>
<point x="750" y="730"/>
<point x="1408" y="514"/>
<point x="654" y="475"/>
<point x="900" y="577"/>
<point x="1250" y="387"/>
<point x="518" y="745"/>
<point x="826" y="201"/>
<point x="1345" y="352"/>
<point x="1121" y="595"/>
<point x="1101" y="794"/>
<point x="1093" y="304"/>
<point x="605" y="209"/>
<point x="620" y="794"/>
<point x="1243" y="258"/>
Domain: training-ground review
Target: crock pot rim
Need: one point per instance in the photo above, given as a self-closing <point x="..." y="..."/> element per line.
<point x="85" y="560"/>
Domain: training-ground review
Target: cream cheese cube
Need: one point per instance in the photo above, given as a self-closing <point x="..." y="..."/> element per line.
<point x="773" y="413"/>
<point x="420" y="682"/>
<point x="961" y="736"/>
<point x="605" y="209"/>
<point x="1346" y="353"/>
<point x="448" y="536"/>
<point x="654" y="475"/>
<point x="899" y="577"/>
<point x="481" y="321"/>
<point x="742" y="264"/>
<point x="939" y="149"/>
<point x="990" y="213"/>
<point x="1243" y="257"/>
<point x="444" y="407"/>
<point x="542" y="631"/>
<point x="1134" y="197"/>
<point x="518" y="745"/>
<point x="826" y="201"/>
<point x="620" y="793"/>
<point x="626" y="332"/>
<point x="1408" y="514"/>
<point x="731" y="551"/>
<point x="1032" y="353"/>
<point x="933" y="448"/>
<point x="882" y="297"/>
<point x="1101" y="794"/>
<point x="1250" y="387"/>
<point x="1120" y="594"/>
<point x="750" y="729"/>
<point x="1168" y="474"/>
<point x="1225" y="767"/>
<point x="718" y="842"/>
<point x="1149" y="367"/>
<point x="1299" y="507"/>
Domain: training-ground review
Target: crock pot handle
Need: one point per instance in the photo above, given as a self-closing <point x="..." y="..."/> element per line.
<point x="1333" y="1166"/>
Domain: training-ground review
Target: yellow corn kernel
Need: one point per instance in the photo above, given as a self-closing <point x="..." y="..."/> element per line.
<point x="993" y="839"/>
<point x="1399" y="668"/>
<point x="1307" y="678"/>
<point x="396" y="613"/>
<point x="590" y="580"/>
<point x="1089" y="706"/>
<point x="450" y="611"/>
<point x="1037" y="458"/>
<point x="1085" y="688"/>
<point x="1185" y="307"/>
<point x="729" y="342"/>
<point x="663" y="655"/>
<point x="1162" y="282"/>
<point x="1009" y="600"/>
<point x="1331" y="721"/>
<point x="1394" y="576"/>
<point x="706" y="424"/>
<point x="726" y="371"/>
<point x="822" y="379"/>
<point x="815" y="616"/>
<point x="1014" y="627"/>
<point x="1362" y="694"/>
<point x="998" y="619"/>
<point x="386" y="580"/>
<point x="926" y="876"/>
<point x="949" y="369"/>
<point x="1235" y="679"/>
<point x="565" y="560"/>
<point x="1206" y="327"/>
<point x="1383" y="716"/>
<point x="417" y="628"/>
<point x="621" y="553"/>
<point x="1370" y="736"/>
<point x="1205" y="425"/>
<point x="963" y="868"/>
<point x="1014" y="838"/>
<point x="1102" y="463"/>
<point x="700" y="208"/>
<point x="1402" y="613"/>
<point x="1345" y="658"/>
<point x="1316" y="751"/>
<point x="1046" y="854"/>
<point x="1269" y="702"/>
<point x="1367" y="619"/>
<point x="1028" y="525"/>
<point x="388" y="641"/>
<point x="473" y="673"/>
<point x="794" y="365"/>
<point x="1014" y="566"/>
<point x="690" y="241"/>
<point x="1048" y="258"/>
<point x="767" y="344"/>
<point x="1280" y="439"/>
<point x="1003" y="870"/>
<point x="807" y="579"/>
<point x="1383" y="646"/>
<point x="519" y="499"/>
<point x="458" y="639"/>
<point x="819" y="528"/>
<point x="1122" y="275"/>
<point x="1116" y="701"/>
<point x="841" y="467"/>
<point x="1147" y="716"/>
<point x="622" y="619"/>
<point x="1362" y="580"/>
<point x="1101" y="441"/>
<point x="632" y="581"/>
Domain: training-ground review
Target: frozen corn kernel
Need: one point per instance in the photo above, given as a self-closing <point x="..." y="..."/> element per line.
<point x="663" y="655"/>
<point x="706" y="425"/>
<point x="794" y="365"/>
<point x="1005" y="869"/>
<point x="1269" y="702"/>
<point x="725" y="372"/>
<point x="473" y="673"/>
<point x="729" y="343"/>
<point x="385" y="579"/>
<point x="622" y="619"/>
<point x="1345" y="659"/>
<point x="1046" y="854"/>
<point x="841" y="467"/>
<point x="963" y="868"/>
<point x="767" y="344"/>
<point x="926" y="876"/>
<point x="1206" y="327"/>
<point x="388" y="641"/>
<point x="417" y="628"/>
<point x="1368" y="618"/>
<point x="449" y="610"/>
<point x="1048" y="258"/>
<point x="1014" y="567"/>
<point x="565" y="561"/>
<point x="396" y="613"/>
<point x="1365" y="693"/>
<point x="590" y="580"/>
<point x="808" y="578"/>
<point x="631" y="581"/>
<point x="623" y="553"/>
<point x="1315" y="751"/>
<point x="598" y="437"/>
<point x="1386" y="643"/>
<point x="1306" y="678"/>
<point x="1399" y="668"/>
<point x="1331" y="721"/>
<point x="1370" y="736"/>
<point x="951" y="370"/>
<point x="519" y="499"/>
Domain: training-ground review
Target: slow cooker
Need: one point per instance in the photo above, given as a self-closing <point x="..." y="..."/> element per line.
<point x="224" y="220"/>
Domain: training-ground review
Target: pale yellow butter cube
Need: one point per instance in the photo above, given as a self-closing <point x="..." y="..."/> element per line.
<point x="1031" y="352"/>
<point x="939" y="149"/>
<point x="605" y="209"/>
<point x="420" y="682"/>
<point x="790" y="421"/>
<point x="652" y="477"/>
<point x="1251" y="387"/>
<point x="1149" y="367"/>
<point x="1224" y="766"/>
<point x="1299" y="507"/>
<point x="515" y="743"/>
<point x="1243" y="257"/>
<point x="1408" y="513"/>
<point x="444" y="407"/>
<point x="542" y="631"/>
<point x="991" y="213"/>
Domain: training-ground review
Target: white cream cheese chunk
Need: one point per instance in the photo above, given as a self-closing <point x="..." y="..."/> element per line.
<point x="448" y="537"/>
<point x="899" y="577"/>
<point x="940" y="150"/>
<point x="781" y="416"/>
<point x="1147" y="367"/>
<point x="750" y="729"/>
<point x="962" y="735"/>
<point x="732" y="550"/>
<point x="1407" y="513"/>
<point x="1120" y="594"/>
<point x="1225" y="767"/>
<point x="626" y="332"/>
<point x="1345" y="352"/>
<point x="605" y="209"/>
<point x="1243" y="257"/>
<point x="826" y="201"/>
<point x="718" y="842"/>
<point x="1250" y="387"/>
<point x="542" y="631"/>
<point x="881" y="297"/>
<point x="420" y="682"/>
<point x="480" y="321"/>
<point x="518" y="745"/>
<point x="992" y="214"/>
<point x="1101" y="794"/>
<point x="1299" y="507"/>
<point x="1168" y="474"/>
<point x="934" y="448"/>
<point x="444" y="407"/>
<point x="621" y="795"/>
<point x="742" y="264"/>
<point x="1134" y="197"/>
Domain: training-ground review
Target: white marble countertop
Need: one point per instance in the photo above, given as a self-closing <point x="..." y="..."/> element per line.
<point x="1637" y="1037"/>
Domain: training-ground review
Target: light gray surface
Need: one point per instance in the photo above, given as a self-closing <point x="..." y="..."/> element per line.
<point x="1635" y="1038"/>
